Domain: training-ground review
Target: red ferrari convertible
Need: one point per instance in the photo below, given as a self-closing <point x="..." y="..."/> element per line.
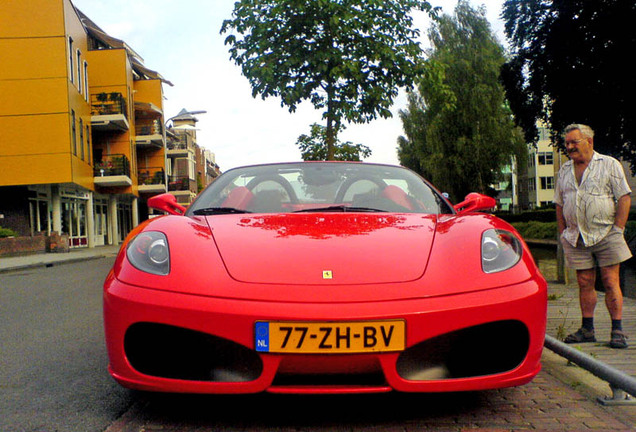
<point x="323" y="277"/>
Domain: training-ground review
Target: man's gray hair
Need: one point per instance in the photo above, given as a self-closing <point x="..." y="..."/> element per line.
<point x="585" y="130"/>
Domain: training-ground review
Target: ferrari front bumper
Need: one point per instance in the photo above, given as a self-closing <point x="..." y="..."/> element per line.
<point x="162" y="341"/>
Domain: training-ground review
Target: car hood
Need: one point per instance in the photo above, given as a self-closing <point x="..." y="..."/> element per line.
<point x="324" y="249"/>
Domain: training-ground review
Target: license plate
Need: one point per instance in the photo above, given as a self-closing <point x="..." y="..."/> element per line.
<point x="330" y="337"/>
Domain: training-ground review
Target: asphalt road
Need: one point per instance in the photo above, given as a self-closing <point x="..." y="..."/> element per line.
<point x="53" y="360"/>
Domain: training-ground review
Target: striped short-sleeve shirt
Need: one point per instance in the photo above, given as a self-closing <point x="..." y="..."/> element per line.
<point x="589" y="208"/>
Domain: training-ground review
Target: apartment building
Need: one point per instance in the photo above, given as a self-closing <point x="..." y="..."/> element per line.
<point x="84" y="143"/>
<point x="537" y="183"/>
<point x="506" y="189"/>
<point x="542" y="167"/>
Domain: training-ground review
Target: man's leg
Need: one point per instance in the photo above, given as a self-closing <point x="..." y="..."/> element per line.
<point x="587" y="300"/>
<point x="614" y="303"/>
<point x="587" y="293"/>
<point x="613" y="294"/>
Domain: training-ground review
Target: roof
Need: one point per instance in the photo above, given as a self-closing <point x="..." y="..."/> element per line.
<point x="136" y="60"/>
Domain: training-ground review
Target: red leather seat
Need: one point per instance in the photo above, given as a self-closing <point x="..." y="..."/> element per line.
<point x="398" y="196"/>
<point x="238" y="198"/>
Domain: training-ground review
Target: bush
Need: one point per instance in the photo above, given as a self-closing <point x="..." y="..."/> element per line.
<point x="546" y="215"/>
<point x="537" y="230"/>
<point x="548" y="230"/>
<point x="6" y="232"/>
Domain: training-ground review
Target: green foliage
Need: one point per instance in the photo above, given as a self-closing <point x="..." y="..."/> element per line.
<point x="547" y="215"/>
<point x="6" y="232"/>
<point x="459" y="131"/>
<point x="314" y="147"/>
<point x="537" y="230"/>
<point x="348" y="59"/>
<point x="572" y="54"/>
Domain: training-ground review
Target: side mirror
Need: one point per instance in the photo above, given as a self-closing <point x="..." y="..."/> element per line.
<point x="475" y="202"/>
<point x="166" y="202"/>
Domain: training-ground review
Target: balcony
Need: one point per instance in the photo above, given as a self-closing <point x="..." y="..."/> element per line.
<point x="149" y="134"/>
<point x="178" y="183"/>
<point x="179" y="186"/>
<point x="179" y="147"/>
<point x="108" y="112"/>
<point x="152" y="180"/>
<point x="112" y="170"/>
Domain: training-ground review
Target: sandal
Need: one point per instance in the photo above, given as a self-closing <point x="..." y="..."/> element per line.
<point x="581" y="335"/>
<point x="618" y="340"/>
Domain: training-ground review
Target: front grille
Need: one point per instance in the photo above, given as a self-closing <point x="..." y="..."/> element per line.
<point x="485" y="349"/>
<point x="326" y="380"/>
<point x="173" y="352"/>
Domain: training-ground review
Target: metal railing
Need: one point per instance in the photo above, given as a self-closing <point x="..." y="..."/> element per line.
<point x="180" y="143"/>
<point x="618" y="381"/>
<point x="112" y="165"/>
<point x="108" y="104"/>
<point x="178" y="183"/>
<point x="148" y="128"/>
<point x="151" y="176"/>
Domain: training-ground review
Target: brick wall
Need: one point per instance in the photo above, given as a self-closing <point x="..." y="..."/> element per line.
<point x="22" y="245"/>
<point x="35" y="244"/>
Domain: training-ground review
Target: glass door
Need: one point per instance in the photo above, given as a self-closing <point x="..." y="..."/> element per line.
<point x="74" y="222"/>
<point x="101" y="222"/>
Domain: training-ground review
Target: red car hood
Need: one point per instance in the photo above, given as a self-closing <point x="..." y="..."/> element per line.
<point x="325" y="249"/>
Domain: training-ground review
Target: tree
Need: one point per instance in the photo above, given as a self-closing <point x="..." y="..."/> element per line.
<point x="348" y="58"/>
<point x="314" y="147"/>
<point x="569" y="65"/>
<point x="459" y="131"/>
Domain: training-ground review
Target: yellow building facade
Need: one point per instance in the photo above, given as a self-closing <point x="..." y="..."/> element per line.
<point x="84" y="144"/>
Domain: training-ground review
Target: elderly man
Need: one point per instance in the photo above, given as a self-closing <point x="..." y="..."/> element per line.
<point x="592" y="204"/>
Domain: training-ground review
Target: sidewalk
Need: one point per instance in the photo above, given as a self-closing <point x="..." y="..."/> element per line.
<point x="564" y="317"/>
<point x="49" y="259"/>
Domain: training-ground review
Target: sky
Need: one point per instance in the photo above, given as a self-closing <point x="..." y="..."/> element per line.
<point x="181" y="40"/>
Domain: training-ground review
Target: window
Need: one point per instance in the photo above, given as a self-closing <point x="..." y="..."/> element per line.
<point x="73" y="133"/>
<point x="547" y="182"/>
<point x="86" y="81"/>
<point x="88" y="144"/>
<point x="531" y="159"/>
<point x="546" y="158"/>
<point x="71" y="62"/>
<point x="39" y="214"/>
<point x="79" y="71"/>
<point x="81" y="129"/>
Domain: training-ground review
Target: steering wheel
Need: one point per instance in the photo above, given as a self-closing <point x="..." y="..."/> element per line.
<point x="344" y="187"/>
<point x="277" y="179"/>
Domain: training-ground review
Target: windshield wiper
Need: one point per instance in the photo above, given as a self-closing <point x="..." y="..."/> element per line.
<point x="340" y="208"/>
<point x="218" y="210"/>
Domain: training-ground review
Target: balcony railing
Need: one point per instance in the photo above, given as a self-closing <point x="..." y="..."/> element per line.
<point x="178" y="183"/>
<point x="108" y="104"/>
<point x="151" y="176"/>
<point x="148" y="128"/>
<point x="180" y="144"/>
<point x="112" y="165"/>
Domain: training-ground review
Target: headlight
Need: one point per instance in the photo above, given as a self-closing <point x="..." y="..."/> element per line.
<point x="500" y="250"/>
<point x="149" y="253"/>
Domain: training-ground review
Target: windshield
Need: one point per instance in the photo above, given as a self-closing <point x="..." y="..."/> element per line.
<point x="319" y="186"/>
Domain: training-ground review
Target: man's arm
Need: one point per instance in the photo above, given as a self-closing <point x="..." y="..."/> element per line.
<point x="622" y="210"/>
<point x="560" y="219"/>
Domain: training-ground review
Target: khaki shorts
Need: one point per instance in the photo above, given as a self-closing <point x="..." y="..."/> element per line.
<point x="611" y="250"/>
